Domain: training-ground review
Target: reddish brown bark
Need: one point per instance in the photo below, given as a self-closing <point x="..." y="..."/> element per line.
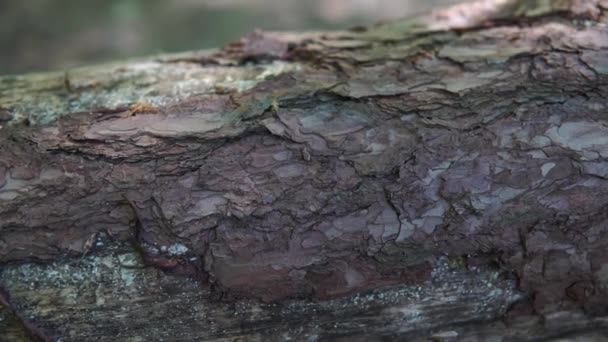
<point x="328" y="164"/>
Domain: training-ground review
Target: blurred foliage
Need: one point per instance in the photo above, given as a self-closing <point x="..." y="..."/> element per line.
<point x="46" y="34"/>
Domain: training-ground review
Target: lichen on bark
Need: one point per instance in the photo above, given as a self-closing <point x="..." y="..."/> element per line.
<point x="322" y="165"/>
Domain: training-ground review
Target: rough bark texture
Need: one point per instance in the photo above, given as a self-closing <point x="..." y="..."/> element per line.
<point x="442" y="177"/>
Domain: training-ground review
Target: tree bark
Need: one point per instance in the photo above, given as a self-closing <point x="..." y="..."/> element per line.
<point x="441" y="177"/>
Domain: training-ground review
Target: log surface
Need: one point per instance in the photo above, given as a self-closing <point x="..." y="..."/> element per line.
<point x="411" y="179"/>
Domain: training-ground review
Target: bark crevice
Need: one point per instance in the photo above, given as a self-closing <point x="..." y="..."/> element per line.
<point x="311" y="170"/>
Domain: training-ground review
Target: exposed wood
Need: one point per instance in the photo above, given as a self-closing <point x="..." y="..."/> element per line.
<point x="455" y="165"/>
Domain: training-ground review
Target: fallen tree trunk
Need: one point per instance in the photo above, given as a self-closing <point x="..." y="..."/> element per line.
<point x="442" y="177"/>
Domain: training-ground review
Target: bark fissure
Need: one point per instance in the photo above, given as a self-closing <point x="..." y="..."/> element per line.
<point x="325" y="165"/>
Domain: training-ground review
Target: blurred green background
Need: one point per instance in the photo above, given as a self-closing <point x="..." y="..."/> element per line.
<point x="38" y="35"/>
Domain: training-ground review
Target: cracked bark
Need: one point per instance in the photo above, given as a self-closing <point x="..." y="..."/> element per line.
<point x="440" y="177"/>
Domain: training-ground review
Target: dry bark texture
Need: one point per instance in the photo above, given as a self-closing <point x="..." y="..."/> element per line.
<point x="456" y="165"/>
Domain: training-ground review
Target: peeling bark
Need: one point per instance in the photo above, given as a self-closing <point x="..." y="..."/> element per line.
<point x="282" y="178"/>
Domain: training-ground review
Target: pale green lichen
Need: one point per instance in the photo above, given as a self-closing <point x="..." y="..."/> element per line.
<point x="177" y="249"/>
<point x="77" y="275"/>
<point x="44" y="97"/>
